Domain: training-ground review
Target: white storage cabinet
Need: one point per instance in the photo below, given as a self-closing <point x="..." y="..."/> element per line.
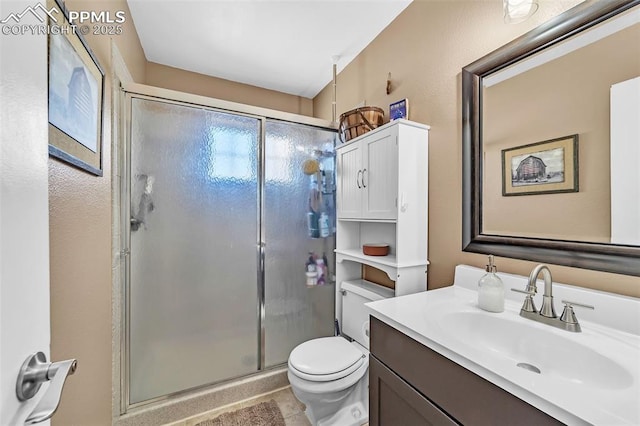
<point x="382" y="196"/>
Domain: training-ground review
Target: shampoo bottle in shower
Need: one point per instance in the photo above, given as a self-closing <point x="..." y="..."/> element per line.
<point x="491" y="289"/>
<point x="311" y="271"/>
<point x="323" y="225"/>
<point x="322" y="270"/>
<point x="313" y="213"/>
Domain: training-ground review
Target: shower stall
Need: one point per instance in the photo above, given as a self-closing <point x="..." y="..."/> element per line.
<point x="229" y="232"/>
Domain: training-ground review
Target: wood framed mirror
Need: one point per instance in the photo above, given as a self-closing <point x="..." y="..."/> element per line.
<point x="482" y="230"/>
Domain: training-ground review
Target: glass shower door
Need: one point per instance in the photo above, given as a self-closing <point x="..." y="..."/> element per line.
<point x="299" y="218"/>
<point x="193" y="317"/>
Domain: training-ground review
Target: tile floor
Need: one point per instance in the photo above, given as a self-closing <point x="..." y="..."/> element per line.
<point x="292" y="409"/>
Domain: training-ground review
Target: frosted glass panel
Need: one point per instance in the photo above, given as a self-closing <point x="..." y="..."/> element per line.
<point x="193" y="295"/>
<point x="295" y="312"/>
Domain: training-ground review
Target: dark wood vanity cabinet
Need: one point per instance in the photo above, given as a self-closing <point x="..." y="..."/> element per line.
<point x="394" y="402"/>
<point x="410" y="384"/>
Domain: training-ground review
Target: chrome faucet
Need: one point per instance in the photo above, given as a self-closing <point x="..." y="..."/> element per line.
<point x="547" y="309"/>
<point x="547" y="313"/>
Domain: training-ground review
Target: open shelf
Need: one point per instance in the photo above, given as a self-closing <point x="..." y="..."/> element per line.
<point x="375" y="261"/>
<point x="342" y="219"/>
<point x="388" y="263"/>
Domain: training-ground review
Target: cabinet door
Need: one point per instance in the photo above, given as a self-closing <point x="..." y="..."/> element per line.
<point x="349" y="173"/>
<point x="380" y="176"/>
<point x="393" y="402"/>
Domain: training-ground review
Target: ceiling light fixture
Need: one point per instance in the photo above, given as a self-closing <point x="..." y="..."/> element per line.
<point x="518" y="10"/>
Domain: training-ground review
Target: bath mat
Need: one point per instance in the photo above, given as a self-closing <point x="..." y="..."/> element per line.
<point x="263" y="414"/>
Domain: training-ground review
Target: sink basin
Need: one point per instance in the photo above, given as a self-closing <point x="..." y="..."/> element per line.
<point x="527" y="344"/>
<point x="586" y="378"/>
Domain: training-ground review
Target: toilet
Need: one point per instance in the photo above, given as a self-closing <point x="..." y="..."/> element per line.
<point x="330" y="374"/>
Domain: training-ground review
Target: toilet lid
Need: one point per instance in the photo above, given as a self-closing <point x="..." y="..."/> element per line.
<point x="326" y="356"/>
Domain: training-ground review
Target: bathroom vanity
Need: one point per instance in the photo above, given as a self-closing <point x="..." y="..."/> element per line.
<point x="436" y="358"/>
<point x="411" y="384"/>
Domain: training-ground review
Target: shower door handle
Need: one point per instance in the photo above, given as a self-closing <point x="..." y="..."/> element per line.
<point x="34" y="372"/>
<point x="135" y="223"/>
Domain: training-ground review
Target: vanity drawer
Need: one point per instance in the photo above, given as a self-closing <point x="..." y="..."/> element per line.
<point x="463" y="395"/>
<point x="392" y="401"/>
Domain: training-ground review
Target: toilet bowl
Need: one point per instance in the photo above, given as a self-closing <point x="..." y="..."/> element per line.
<point x="334" y="389"/>
<point x="330" y="374"/>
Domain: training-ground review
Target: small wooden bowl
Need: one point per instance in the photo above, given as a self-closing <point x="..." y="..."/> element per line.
<point x="375" y="249"/>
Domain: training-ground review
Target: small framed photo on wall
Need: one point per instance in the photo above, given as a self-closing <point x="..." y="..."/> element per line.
<point x="398" y="110"/>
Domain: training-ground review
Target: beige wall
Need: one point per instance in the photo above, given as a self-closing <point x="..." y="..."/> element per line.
<point x="80" y="242"/>
<point x="574" y="101"/>
<point x="425" y="49"/>
<point x="199" y="84"/>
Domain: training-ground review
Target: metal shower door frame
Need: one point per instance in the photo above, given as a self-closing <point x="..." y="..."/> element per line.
<point x="140" y="91"/>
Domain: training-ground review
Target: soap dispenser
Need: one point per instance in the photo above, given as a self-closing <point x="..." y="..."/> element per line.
<point x="491" y="290"/>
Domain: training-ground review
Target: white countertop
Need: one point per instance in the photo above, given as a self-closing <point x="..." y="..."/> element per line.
<point x="605" y="391"/>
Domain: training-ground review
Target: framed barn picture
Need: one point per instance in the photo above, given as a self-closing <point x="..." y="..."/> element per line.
<point x="76" y="85"/>
<point x="541" y="168"/>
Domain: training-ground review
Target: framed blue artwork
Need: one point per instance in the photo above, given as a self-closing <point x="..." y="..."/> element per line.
<point x="399" y="110"/>
<point x="76" y="85"/>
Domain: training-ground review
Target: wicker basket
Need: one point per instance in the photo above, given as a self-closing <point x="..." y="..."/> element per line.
<point x="359" y="121"/>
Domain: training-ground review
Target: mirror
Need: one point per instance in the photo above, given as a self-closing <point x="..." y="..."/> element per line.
<point x="542" y="178"/>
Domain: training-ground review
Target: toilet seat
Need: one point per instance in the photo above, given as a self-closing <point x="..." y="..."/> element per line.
<point x="325" y="359"/>
<point x="328" y="387"/>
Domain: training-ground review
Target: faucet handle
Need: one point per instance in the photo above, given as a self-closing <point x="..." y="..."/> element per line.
<point x="568" y="315"/>
<point x="580" y="305"/>
<point x="528" y="305"/>
<point x="530" y="293"/>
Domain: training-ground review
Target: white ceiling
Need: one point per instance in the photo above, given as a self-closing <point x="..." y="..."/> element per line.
<point x="285" y="45"/>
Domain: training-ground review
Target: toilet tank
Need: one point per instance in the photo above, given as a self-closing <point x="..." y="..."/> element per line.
<point x="355" y="316"/>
